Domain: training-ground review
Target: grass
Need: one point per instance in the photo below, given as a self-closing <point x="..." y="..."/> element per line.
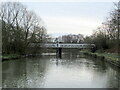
<point x="110" y="57"/>
<point x="10" y="56"/>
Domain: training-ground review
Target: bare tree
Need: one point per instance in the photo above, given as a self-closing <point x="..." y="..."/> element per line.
<point x="19" y="27"/>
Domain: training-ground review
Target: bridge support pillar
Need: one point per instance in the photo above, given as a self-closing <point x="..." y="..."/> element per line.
<point x="93" y="49"/>
<point x="59" y="52"/>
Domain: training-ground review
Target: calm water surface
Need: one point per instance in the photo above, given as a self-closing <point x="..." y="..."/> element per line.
<point x="72" y="71"/>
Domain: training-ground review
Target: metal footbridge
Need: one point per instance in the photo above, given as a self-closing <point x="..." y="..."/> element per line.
<point x="65" y="45"/>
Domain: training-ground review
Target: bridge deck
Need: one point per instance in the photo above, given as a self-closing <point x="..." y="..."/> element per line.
<point x="67" y="45"/>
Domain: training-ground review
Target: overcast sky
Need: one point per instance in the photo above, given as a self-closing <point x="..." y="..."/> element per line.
<point x="71" y="17"/>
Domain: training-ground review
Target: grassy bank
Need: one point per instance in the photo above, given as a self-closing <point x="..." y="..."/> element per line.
<point x="7" y="57"/>
<point x="10" y="56"/>
<point x="112" y="58"/>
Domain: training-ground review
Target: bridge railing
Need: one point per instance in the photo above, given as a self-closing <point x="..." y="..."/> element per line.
<point x="68" y="45"/>
<point x="64" y="45"/>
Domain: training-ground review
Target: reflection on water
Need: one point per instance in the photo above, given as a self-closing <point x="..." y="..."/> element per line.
<point x="71" y="71"/>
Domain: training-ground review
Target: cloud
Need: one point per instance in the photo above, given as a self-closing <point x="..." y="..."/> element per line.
<point x="73" y="25"/>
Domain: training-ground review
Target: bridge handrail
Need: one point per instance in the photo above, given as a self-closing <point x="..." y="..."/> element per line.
<point x="65" y="45"/>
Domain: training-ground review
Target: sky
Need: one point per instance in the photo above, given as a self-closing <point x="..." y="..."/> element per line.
<point x="62" y="18"/>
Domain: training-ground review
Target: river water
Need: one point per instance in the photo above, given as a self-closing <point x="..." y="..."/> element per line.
<point x="71" y="71"/>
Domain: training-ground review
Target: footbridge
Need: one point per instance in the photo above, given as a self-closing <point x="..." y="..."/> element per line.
<point x="69" y="45"/>
<point x="60" y="46"/>
<point x="65" y="45"/>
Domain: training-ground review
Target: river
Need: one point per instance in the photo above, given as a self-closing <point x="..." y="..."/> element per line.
<point x="71" y="71"/>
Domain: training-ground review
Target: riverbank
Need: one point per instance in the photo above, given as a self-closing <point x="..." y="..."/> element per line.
<point x="10" y="57"/>
<point x="16" y="56"/>
<point x="112" y="58"/>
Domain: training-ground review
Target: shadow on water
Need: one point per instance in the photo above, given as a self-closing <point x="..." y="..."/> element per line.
<point x="72" y="70"/>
